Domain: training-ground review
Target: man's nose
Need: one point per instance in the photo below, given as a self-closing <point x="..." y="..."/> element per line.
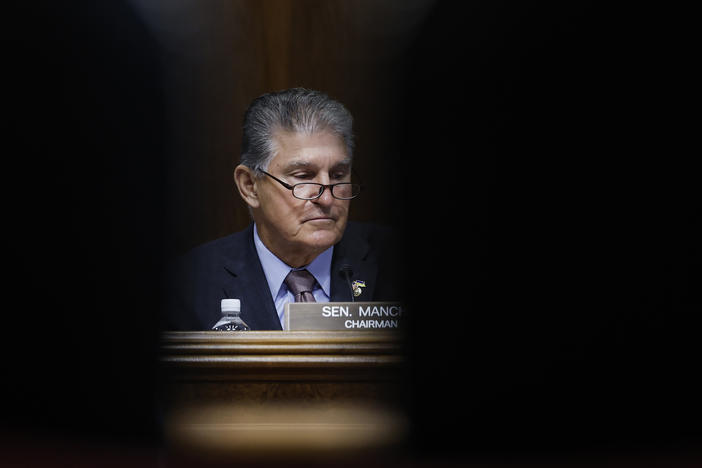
<point x="326" y="198"/>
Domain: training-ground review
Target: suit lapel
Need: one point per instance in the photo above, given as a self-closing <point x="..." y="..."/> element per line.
<point x="247" y="282"/>
<point x="353" y="250"/>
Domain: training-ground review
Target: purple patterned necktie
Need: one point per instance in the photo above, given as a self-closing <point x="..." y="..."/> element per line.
<point x="301" y="282"/>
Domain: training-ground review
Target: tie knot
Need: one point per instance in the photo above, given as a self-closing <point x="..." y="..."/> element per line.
<point x="301" y="283"/>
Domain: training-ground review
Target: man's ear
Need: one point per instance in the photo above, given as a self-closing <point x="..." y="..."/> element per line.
<point x="245" y="180"/>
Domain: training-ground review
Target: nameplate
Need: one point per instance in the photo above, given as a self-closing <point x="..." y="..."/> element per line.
<point x="343" y="316"/>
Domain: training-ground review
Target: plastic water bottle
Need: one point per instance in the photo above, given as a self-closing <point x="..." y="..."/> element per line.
<point x="231" y="321"/>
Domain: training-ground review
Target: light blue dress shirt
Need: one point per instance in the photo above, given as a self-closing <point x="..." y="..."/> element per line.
<point x="276" y="270"/>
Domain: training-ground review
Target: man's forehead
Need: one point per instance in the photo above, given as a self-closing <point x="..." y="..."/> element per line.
<point x="291" y="140"/>
<point x="308" y="150"/>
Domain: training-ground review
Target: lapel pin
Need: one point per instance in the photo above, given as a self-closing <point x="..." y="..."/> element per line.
<point x="356" y="286"/>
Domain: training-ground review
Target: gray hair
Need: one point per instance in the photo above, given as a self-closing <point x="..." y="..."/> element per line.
<point x="296" y="110"/>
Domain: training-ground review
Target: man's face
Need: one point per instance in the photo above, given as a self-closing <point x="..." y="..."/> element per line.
<point x="299" y="230"/>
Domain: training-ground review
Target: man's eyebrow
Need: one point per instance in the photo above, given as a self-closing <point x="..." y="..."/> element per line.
<point x="301" y="164"/>
<point x="292" y="165"/>
<point x="345" y="164"/>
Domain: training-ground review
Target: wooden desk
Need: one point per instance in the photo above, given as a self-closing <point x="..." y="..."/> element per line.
<point x="280" y="390"/>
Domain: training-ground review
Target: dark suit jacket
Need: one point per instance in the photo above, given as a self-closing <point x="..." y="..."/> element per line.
<point x="229" y="268"/>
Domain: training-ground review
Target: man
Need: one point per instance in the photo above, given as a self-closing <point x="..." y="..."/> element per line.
<point x="295" y="176"/>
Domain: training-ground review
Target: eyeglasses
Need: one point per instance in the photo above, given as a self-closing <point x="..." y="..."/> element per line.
<point x="313" y="190"/>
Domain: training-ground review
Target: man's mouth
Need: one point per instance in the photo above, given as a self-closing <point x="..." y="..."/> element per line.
<point x="319" y="218"/>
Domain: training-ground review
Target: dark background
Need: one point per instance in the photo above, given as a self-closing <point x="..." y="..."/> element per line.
<point x="564" y="201"/>
<point x="534" y="159"/>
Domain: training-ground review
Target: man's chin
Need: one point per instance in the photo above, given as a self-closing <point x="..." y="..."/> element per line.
<point x="323" y="234"/>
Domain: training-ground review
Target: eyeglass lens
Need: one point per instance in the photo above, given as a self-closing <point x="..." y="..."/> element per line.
<point x="308" y="191"/>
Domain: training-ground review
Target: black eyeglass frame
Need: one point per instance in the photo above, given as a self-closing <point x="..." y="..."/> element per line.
<point x="321" y="190"/>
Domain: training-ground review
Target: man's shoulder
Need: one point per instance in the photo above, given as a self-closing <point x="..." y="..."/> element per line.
<point x="223" y="244"/>
<point x="213" y="253"/>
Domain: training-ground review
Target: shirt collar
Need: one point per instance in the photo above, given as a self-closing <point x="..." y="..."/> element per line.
<point x="276" y="270"/>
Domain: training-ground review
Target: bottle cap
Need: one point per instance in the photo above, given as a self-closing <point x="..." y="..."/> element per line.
<point x="231" y="305"/>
